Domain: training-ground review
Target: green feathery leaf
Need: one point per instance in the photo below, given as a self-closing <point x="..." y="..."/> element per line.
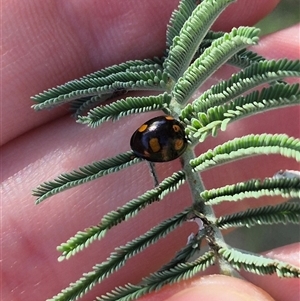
<point x="185" y="45"/>
<point x="245" y="58"/>
<point x="130" y="209"/>
<point x="157" y="280"/>
<point x="217" y="118"/>
<point x="107" y="74"/>
<point x="212" y="59"/>
<point x="258" y="264"/>
<point x="84" y="174"/>
<point x="82" y="105"/>
<point x="241" y="59"/>
<point x="118" y="258"/>
<point x="124" y="107"/>
<point x="256" y="74"/>
<point x="287" y="188"/>
<point x="178" y="18"/>
<point x="268" y="215"/>
<point x="135" y="66"/>
<point x="88" y="87"/>
<point x="249" y="145"/>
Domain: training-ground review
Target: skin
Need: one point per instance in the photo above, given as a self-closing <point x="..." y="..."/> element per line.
<point x="46" y="43"/>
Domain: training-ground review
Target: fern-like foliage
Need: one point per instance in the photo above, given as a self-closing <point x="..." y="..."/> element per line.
<point x="288" y="188"/>
<point x="256" y="74"/>
<point x="248" y="145"/>
<point x="212" y="59"/>
<point x="83" y="175"/>
<point x="281" y="214"/>
<point x="156" y="280"/>
<point x="191" y="34"/>
<point x="124" y="107"/>
<point x="118" y="258"/>
<point x="193" y="53"/>
<point x="92" y="86"/>
<point x="130" y="209"/>
<point x="258" y="264"/>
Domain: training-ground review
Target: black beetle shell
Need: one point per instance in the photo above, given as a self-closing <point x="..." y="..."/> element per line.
<point x="160" y="139"/>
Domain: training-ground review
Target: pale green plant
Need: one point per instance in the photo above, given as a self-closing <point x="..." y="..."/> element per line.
<point x="193" y="53"/>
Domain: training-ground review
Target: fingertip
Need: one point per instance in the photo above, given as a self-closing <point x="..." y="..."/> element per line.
<point x="280" y="288"/>
<point x="213" y="288"/>
<point x="280" y="44"/>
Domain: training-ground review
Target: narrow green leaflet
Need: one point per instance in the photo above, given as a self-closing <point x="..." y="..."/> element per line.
<point x="258" y="73"/>
<point x="157" y="280"/>
<point x="178" y="18"/>
<point x="258" y="264"/>
<point x="89" y="87"/>
<point x="220" y="51"/>
<point x="118" y="258"/>
<point x="217" y="118"/>
<point x="249" y="145"/>
<point x="287" y="188"/>
<point x="113" y="218"/>
<point x="193" y="31"/>
<point x="84" y="174"/>
<point x="285" y="213"/>
<point x="124" y="107"/>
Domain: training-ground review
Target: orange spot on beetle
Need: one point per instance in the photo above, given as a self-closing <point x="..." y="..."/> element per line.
<point x="143" y="128"/>
<point x="154" y="145"/>
<point x="179" y="144"/>
<point x="176" y="128"/>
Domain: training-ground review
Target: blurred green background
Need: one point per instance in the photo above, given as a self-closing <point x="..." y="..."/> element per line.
<point x="284" y="15"/>
<point x="263" y="238"/>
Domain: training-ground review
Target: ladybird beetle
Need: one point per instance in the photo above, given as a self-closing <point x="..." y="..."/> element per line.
<point x="160" y="139"/>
